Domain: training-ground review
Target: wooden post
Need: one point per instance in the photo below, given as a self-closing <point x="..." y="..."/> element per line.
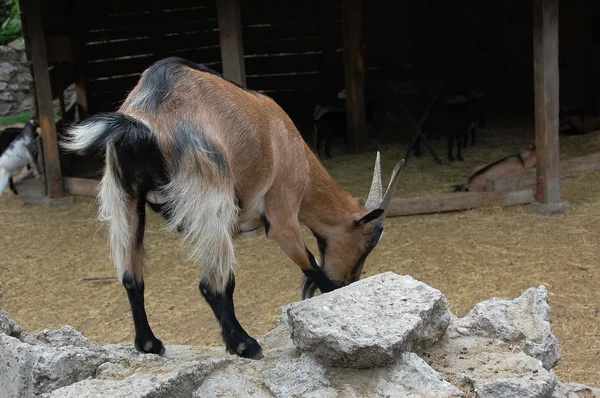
<point x="230" y="35"/>
<point x="34" y="30"/>
<point x="545" y="71"/>
<point x="354" y="70"/>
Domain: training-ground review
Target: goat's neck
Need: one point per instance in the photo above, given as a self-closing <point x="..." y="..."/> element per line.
<point x="326" y="205"/>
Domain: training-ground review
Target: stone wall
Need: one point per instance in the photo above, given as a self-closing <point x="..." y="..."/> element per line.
<point x="384" y="336"/>
<point x="15" y="82"/>
<point x="16" y="90"/>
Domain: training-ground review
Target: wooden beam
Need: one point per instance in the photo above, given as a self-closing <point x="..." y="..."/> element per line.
<point x="34" y="31"/>
<point x="568" y="168"/>
<point x="230" y="36"/>
<point x="458" y="201"/>
<point x="354" y="71"/>
<point x="545" y="71"/>
<point x="81" y="186"/>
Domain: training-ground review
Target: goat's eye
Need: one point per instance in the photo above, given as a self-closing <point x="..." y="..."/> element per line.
<point x="369" y="244"/>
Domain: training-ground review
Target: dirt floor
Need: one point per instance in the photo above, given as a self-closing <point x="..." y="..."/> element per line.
<point x="470" y="256"/>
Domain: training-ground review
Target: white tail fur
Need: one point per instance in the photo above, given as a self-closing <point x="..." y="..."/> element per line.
<point x="114" y="211"/>
<point x="83" y="135"/>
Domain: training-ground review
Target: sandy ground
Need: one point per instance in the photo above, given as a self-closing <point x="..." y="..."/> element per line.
<point x="470" y="256"/>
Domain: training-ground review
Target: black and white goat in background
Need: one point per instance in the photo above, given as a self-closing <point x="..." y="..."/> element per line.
<point x="218" y="160"/>
<point x="19" y="149"/>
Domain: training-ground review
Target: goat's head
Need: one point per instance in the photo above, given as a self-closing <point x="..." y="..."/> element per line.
<point x="345" y="249"/>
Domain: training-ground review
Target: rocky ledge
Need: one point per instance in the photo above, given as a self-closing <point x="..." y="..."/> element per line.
<point x="384" y="336"/>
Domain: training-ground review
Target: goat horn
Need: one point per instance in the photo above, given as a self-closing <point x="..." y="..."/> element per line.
<point x="387" y="198"/>
<point x="375" y="194"/>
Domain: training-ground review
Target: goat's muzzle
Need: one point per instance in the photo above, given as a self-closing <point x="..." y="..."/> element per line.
<point x="317" y="280"/>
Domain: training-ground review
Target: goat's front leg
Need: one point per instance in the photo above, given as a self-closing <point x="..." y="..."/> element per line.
<point x="289" y="238"/>
<point x="235" y="337"/>
<point x="34" y="166"/>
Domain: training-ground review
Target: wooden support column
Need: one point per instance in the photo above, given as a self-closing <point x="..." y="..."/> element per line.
<point x="545" y="71"/>
<point x="232" y="46"/>
<point x="34" y="30"/>
<point x="354" y="71"/>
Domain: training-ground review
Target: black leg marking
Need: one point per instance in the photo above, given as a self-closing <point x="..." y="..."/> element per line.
<point x="266" y="223"/>
<point x="459" y="146"/>
<point x="235" y="337"/>
<point x="417" y="148"/>
<point x="328" y="148"/>
<point x="11" y="185"/>
<point x="144" y="338"/>
<point x="450" y="145"/>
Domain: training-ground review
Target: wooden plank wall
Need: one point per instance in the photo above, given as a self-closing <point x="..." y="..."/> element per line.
<point x="576" y="53"/>
<point x="283" y="49"/>
<point x="390" y="33"/>
<point x="123" y="38"/>
<point x="483" y="45"/>
<point x="490" y="46"/>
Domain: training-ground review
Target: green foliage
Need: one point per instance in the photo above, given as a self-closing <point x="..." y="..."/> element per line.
<point x="16" y="119"/>
<point x="10" y="16"/>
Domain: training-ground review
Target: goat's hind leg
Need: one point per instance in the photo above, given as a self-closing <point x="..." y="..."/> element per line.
<point x="133" y="281"/>
<point x="237" y="341"/>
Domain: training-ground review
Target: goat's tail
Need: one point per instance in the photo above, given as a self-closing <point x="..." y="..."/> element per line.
<point x="460" y="188"/>
<point x="113" y="133"/>
<point x="190" y="174"/>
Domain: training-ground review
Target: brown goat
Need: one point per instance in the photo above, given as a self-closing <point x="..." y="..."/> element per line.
<point x="482" y="174"/>
<point x="220" y="161"/>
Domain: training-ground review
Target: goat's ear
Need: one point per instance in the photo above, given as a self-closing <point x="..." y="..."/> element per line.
<point x="372" y="215"/>
<point x="532" y="146"/>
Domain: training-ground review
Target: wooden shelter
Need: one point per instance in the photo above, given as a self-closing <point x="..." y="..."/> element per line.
<point x="301" y="53"/>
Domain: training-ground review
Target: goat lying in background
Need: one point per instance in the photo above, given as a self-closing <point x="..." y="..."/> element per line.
<point x="20" y="151"/>
<point x="217" y="160"/>
<point x="482" y="174"/>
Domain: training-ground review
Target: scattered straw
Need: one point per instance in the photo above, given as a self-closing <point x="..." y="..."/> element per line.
<point x="470" y="256"/>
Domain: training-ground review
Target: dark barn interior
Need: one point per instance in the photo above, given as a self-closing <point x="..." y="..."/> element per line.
<point x="303" y="53"/>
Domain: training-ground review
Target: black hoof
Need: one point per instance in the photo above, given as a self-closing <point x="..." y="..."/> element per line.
<point x="244" y="347"/>
<point x="150" y="346"/>
<point x="461" y="158"/>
